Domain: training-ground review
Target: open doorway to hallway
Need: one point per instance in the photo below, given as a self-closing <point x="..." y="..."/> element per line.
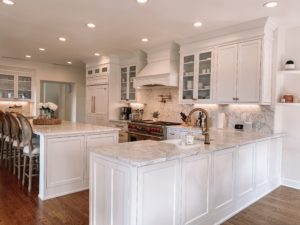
<point x="63" y="95"/>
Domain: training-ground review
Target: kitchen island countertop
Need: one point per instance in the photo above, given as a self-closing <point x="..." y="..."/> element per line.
<point x="144" y="153"/>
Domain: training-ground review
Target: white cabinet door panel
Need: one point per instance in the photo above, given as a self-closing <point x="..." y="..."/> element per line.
<point x="249" y="70"/>
<point x="65" y="161"/>
<point x="226" y="73"/>
<point x="261" y="161"/>
<point x="245" y="170"/>
<point x="195" y="189"/>
<point x="223" y="178"/>
<point x="157" y="194"/>
<point x="101" y="99"/>
<point x="275" y="158"/>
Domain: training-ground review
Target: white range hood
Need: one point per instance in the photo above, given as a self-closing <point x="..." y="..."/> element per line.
<point x="162" y="68"/>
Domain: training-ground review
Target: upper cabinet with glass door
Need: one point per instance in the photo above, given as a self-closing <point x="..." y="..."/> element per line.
<point x="7" y="86"/>
<point x="128" y="74"/>
<point x="15" y="87"/>
<point x="197" y="70"/>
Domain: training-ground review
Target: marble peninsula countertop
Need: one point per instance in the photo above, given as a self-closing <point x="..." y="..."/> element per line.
<point x="149" y="152"/>
<point x="67" y="128"/>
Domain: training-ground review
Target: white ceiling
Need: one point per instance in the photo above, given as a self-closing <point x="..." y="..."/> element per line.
<point x="120" y="24"/>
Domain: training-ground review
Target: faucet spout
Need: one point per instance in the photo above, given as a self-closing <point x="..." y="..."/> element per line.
<point x="204" y="127"/>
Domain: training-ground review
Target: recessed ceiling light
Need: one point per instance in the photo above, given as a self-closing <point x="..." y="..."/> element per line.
<point x="70" y="63"/>
<point x="42" y="49"/>
<point x="96" y="54"/>
<point x="28" y="56"/>
<point x="142" y="1"/>
<point x="270" y="4"/>
<point x="145" y="40"/>
<point x="91" y="25"/>
<point x="8" y="2"/>
<point x="62" y="39"/>
<point x="197" y="24"/>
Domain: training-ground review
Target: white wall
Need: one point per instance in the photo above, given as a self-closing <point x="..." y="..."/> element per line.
<point x="289" y="116"/>
<point x="50" y="72"/>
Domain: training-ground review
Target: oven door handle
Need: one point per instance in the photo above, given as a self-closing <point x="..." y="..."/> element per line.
<point x="146" y="135"/>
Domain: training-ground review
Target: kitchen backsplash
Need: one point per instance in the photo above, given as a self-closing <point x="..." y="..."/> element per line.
<point x="261" y="116"/>
<point x="21" y="107"/>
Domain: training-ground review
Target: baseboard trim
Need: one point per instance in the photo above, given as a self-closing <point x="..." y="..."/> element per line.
<point x="290" y="183"/>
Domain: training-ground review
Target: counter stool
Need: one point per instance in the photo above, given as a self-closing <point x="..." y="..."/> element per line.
<point x="2" y="138"/>
<point x="17" y="145"/>
<point x="6" y="143"/>
<point x="29" y="152"/>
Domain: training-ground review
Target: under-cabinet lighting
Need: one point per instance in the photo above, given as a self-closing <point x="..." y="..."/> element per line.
<point x="137" y="105"/>
<point x="8" y="2"/>
<point x="205" y="105"/>
<point x="270" y="4"/>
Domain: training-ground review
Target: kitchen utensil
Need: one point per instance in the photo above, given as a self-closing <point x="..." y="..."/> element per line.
<point x="288" y="98"/>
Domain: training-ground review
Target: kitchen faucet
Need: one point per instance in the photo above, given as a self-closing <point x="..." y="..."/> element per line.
<point x="203" y="124"/>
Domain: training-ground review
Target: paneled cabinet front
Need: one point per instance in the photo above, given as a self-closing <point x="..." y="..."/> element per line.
<point x="97" y="75"/>
<point x="196" y="77"/>
<point x="97" y="104"/>
<point x="238" y="73"/>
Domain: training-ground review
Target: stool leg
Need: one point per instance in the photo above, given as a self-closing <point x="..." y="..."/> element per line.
<point x="30" y="174"/>
<point x="14" y="162"/>
<point x="19" y="163"/>
<point x="24" y="170"/>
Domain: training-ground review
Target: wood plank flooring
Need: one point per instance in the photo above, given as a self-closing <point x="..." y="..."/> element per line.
<point x="281" y="207"/>
<point x="18" y="207"/>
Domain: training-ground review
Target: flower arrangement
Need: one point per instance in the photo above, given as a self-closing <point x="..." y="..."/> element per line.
<point x="47" y="109"/>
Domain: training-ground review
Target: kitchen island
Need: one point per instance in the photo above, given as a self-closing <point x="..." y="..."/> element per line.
<point x="64" y="155"/>
<point x="165" y="183"/>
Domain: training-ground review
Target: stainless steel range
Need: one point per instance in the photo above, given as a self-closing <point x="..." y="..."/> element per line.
<point x="148" y="130"/>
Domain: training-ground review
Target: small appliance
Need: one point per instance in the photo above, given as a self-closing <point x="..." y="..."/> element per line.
<point x="125" y="113"/>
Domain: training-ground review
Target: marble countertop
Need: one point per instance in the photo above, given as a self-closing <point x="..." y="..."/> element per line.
<point x="119" y="121"/>
<point x="70" y="128"/>
<point x="148" y="152"/>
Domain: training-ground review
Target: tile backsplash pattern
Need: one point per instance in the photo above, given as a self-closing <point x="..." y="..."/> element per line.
<point x="261" y="116"/>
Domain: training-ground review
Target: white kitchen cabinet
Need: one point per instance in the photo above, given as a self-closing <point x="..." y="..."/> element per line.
<point x="158" y="189"/>
<point x="97" y="104"/>
<point x="275" y="159"/>
<point x="97" y="75"/>
<point x="223" y="178"/>
<point x="123" y="133"/>
<point x="195" y="188"/>
<point x="262" y="163"/>
<point x="16" y="86"/>
<point x="128" y="74"/>
<point x="239" y="72"/>
<point x="196" y="77"/>
<point x="245" y="170"/>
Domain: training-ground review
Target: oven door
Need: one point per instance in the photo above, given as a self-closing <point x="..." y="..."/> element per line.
<point x="132" y="136"/>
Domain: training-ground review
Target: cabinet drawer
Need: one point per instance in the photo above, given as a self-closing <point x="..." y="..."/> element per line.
<point x="97" y="79"/>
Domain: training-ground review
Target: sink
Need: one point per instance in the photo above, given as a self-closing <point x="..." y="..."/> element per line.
<point x="178" y="143"/>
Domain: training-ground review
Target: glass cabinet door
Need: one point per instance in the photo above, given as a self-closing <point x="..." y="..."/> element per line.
<point x="132" y="75"/>
<point x="124" y="83"/>
<point x="188" y="76"/>
<point x="7" y="89"/>
<point x="204" y="77"/>
<point x="24" y="87"/>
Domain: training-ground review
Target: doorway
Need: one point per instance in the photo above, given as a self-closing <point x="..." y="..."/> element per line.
<point x="63" y="95"/>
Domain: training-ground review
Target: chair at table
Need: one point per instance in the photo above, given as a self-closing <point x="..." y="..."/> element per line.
<point x="17" y="145"/>
<point x="29" y="151"/>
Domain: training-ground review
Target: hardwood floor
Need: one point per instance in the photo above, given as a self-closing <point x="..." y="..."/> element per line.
<point x="18" y="207"/>
<point x="281" y="207"/>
